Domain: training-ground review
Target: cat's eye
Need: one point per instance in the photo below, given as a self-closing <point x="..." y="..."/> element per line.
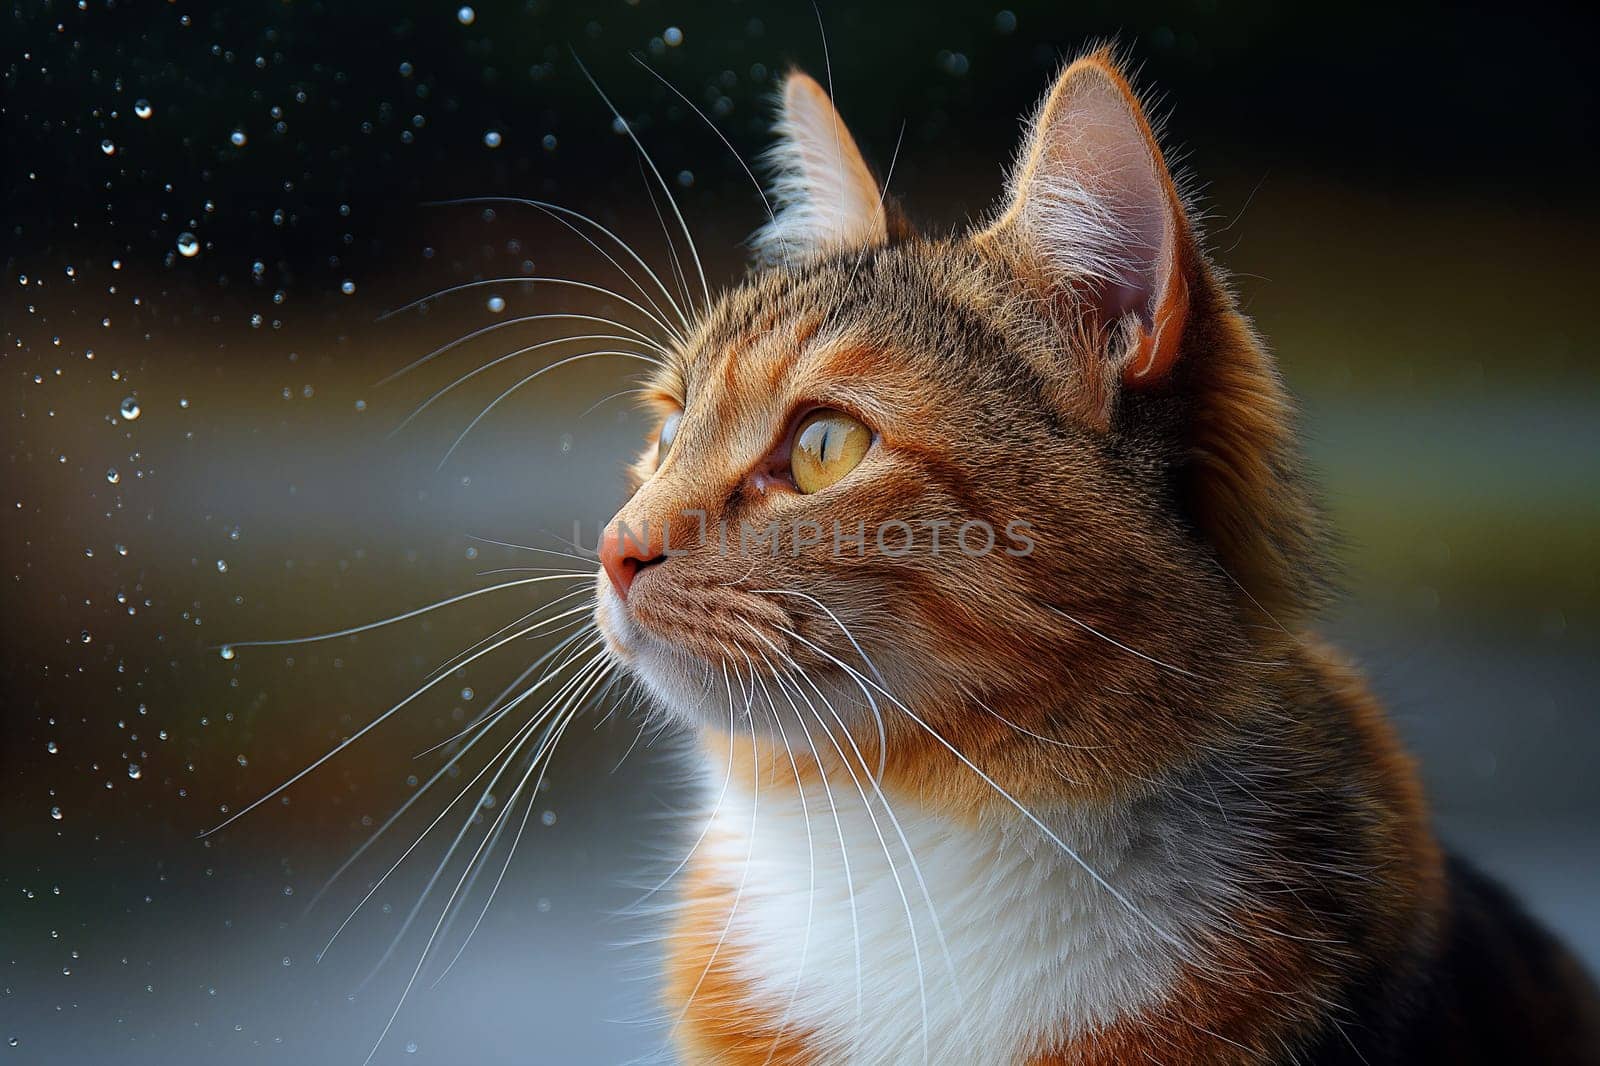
<point x="827" y="446"/>
<point x="669" y="432"/>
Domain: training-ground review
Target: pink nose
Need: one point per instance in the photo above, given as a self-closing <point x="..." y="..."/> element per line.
<point x="623" y="555"/>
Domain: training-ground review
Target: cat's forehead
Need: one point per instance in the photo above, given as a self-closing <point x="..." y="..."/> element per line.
<point x="917" y="307"/>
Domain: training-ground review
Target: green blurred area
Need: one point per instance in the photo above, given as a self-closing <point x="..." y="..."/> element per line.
<point x="1452" y="401"/>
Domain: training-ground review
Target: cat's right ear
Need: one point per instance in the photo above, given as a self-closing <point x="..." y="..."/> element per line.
<point x="824" y="196"/>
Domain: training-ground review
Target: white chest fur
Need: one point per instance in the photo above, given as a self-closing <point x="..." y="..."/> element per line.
<point x="910" y="938"/>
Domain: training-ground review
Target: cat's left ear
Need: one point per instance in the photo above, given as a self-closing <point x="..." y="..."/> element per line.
<point x="1095" y="217"/>
<point x="824" y="195"/>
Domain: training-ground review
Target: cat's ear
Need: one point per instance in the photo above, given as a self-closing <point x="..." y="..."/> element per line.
<point x="823" y="194"/>
<point x="1094" y="213"/>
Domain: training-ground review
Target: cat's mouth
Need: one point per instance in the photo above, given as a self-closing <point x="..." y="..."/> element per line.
<point x="711" y="653"/>
<point x="686" y="641"/>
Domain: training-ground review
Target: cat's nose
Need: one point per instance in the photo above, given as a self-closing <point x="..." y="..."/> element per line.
<point x="623" y="554"/>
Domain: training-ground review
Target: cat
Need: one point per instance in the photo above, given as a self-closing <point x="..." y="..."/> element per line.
<point x="1080" y="786"/>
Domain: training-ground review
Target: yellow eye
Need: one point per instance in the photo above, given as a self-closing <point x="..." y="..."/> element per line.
<point x="827" y="446"/>
<point x="669" y="432"/>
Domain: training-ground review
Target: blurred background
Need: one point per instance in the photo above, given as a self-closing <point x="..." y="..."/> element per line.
<point x="207" y="209"/>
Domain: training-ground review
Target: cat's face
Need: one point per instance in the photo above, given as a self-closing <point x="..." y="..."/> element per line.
<point x="895" y="489"/>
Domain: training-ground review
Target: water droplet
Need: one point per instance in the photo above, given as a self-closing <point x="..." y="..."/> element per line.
<point x="129" y="409"/>
<point x="85" y="637"/>
<point x="411" y="1047"/>
<point x="238" y="139"/>
<point x="673" y="36"/>
<point x="222" y="566"/>
<point x="548" y="817"/>
<point x="496" y="304"/>
<point x="108" y="147"/>
<point x="466" y="693"/>
<point x="466" y="16"/>
<point x="491" y="139"/>
<point x="348" y="287"/>
<point x="226" y="651"/>
<point x="50" y="746"/>
<point x="134" y="771"/>
<point x="142" y="108"/>
<point x="112" y="475"/>
<point x="188" y="245"/>
<point x="55" y="813"/>
<point x="955" y="64"/>
<point x="241" y="759"/>
<point x="686" y="178"/>
<point x="549" y="142"/>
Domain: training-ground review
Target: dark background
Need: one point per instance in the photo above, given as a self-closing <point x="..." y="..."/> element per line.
<point x="1405" y="197"/>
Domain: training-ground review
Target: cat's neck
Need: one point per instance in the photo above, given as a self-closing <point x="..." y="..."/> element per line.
<point x="1219" y="896"/>
<point x="835" y="880"/>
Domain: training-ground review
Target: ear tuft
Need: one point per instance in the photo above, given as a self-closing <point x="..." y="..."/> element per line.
<point x="825" y="195"/>
<point x="1095" y="212"/>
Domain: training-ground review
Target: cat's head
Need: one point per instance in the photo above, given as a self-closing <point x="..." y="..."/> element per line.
<point x="1027" y="492"/>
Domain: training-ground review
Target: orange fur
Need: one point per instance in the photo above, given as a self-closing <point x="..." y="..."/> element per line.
<point x="1157" y="628"/>
<point x="718" y="1022"/>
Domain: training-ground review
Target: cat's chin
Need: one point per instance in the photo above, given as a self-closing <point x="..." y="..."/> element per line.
<point x="680" y="684"/>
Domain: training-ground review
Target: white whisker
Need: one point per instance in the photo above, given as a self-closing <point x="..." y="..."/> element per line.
<point x="517" y="280"/>
<point x="522" y="734"/>
<point x="665" y="188"/>
<point x="441" y="772"/>
<point x="358" y="734"/>
<point x="576" y="702"/>
<point x="524" y="381"/>
<point x="811" y="863"/>
<point x="765" y="203"/>
<point x="588" y="560"/>
<point x="353" y="630"/>
<point x="432" y="936"/>
<point x="755" y="791"/>
<point x="1021" y="808"/>
<point x="635" y="334"/>
<point x="452" y="662"/>
<point x="562" y="215"/>
<point x="1117" y="643"/>
<point x="515" y="354"/>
